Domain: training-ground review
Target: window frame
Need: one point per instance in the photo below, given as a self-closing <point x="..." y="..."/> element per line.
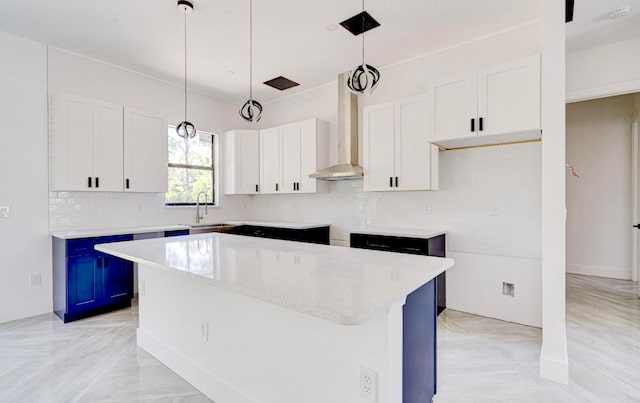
<point x="213" y="169"/>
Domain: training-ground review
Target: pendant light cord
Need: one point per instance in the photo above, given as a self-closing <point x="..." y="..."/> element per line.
<point x="363" y="33"/>
<point x="251" y="52"/>
<point x="185" y="65"/>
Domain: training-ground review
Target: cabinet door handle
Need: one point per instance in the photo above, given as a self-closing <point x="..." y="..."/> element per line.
<point x="294" y="186"/>
<point x="99" y="262"/>
<point x="276" y="187"/>
<point x="480" y="124"/>
<point x="256" y="188"/>
<point x="473" y="125"/>
<point x="106" y="261"/>
<point x="396" y="181"/>
<point x="390" y="182"/>
<point x="89" y="182"/>
<point x="127" y="183"/>
<point x="97" y="182"/>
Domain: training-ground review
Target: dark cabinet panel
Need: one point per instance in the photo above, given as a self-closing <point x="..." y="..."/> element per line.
<point x="87" y="282"/>
<point x="311" y="235"/>
<point x="84" y="283"/>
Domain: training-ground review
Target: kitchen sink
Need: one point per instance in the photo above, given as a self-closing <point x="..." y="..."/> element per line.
<point x="206" y="228"/>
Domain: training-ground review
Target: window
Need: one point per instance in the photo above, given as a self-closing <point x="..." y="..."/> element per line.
<point x="191" y="169"/>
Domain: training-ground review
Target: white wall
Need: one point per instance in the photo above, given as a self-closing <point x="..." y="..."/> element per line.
<point x="599" y="219"/>
<point x="25" y="247"/>
<point x="607" y="70"/>
<point x="83" y="76"/>
<point x="489" y="201"/>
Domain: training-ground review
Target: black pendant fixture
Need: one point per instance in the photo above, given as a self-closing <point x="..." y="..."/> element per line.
<point x="185" y="129"/>
<point x="363" y="78"/>
<point x="251" y="111"/>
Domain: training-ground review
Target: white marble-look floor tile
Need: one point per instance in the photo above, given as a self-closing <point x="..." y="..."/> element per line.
<point x="480" y="359"/>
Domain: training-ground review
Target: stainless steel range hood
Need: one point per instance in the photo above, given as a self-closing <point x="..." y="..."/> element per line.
<point x="347" y="167"/>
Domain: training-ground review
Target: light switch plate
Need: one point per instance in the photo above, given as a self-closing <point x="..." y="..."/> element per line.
<point x="5" y="211"/>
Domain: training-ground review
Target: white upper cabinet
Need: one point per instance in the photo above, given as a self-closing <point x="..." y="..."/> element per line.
<point x="270" y="161"/>
<point x="495" y="105"/>
<point x="509" y="96"/>
<point x="145" y="152"/>
<point x="107" y="146"/>
<point x="397" y="154"/>
<point x="241" y="162"/>
<point x="87" y="144"/>
<point x="290" y="153"/>
<point x="451" y="105"/>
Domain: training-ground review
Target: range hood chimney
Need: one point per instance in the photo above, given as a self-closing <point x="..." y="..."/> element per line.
<point x="347" y="167"/>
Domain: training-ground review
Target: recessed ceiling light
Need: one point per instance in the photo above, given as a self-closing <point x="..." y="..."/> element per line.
<point x="331" y="27"/>
<point x="620" y="13"/>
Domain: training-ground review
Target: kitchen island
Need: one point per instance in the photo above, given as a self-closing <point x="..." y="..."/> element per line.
<point x="248" y="319"/>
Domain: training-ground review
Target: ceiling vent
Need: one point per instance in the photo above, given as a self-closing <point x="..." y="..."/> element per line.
<point x="360" y="23"/>
<point x="281" y="83"/>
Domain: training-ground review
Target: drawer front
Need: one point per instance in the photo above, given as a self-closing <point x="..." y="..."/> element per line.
<point x="84" y="246"/>
<point x="414" y="246"/>
<point x="179" y="232"/>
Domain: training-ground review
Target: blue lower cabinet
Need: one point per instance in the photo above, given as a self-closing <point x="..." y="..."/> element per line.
<point x="88" y="282"/>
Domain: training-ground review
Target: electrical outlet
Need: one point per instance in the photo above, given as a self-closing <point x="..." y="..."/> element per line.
<point x="427" y="208"/>
<point x="5" y="211"/>
<point x="35" y="280"/>
<point x="204" y="331"/>
<point x="143" y="288"/>
<point x="368" y="384"/>
<point x="508" y="289"/>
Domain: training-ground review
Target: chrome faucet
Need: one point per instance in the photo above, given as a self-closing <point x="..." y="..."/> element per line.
<point x="206" y="211"/>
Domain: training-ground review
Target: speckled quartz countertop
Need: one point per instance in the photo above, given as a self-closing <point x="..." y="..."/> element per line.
<point x="401" y="232"/>
<point x="342" y="285"/>
<point x="89" y="233"/>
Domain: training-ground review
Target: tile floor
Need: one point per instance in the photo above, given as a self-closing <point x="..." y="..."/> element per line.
<point x="480" y="359"/>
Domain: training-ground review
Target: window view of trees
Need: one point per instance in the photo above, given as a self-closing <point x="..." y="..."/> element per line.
<point x="191" y="168"/>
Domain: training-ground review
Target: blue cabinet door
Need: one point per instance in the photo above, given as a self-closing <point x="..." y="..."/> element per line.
<point x="84" y="284"/>
<point x="117" y="276"/>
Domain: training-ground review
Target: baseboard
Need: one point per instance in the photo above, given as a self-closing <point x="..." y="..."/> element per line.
<point x="205" y="382"/>
<point x="620" y="273"/>
<point x="554" y="370"/>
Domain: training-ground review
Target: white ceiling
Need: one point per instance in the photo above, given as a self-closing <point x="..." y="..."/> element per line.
<point x="290" y="36"/>
<point x="591" y="25"/>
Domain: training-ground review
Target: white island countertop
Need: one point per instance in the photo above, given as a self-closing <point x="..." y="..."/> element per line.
<point x="347" y="286"/>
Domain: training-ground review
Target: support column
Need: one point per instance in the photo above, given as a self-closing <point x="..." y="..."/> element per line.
<point x="554" y="363"/>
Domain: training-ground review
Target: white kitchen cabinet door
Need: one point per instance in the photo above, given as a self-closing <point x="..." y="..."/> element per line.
<point x="270" y="168"/>
<point x="452" y="107"/>
<point x="107" y="146"/>
<point x="379" y="164"/>
<point x="242" y="161"/>
<point x="412" y="149"/>
<point x="145" y="152"/>
<point x="314" y="154"/>
<point x="291" y="156"/>
<point x="73" y="143"/>
<point x="509" y="96"/>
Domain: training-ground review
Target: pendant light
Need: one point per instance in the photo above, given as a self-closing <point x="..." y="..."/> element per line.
<point x="251" y="111"/>
<point x="185" y="129"/>
<point x="364" y="77"/>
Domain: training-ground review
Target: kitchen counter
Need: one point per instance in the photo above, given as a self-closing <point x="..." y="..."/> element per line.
<point x="401" y="232"/>
<point x="342" y="285"/>
<point x="278" y="224"/>
<point x="90" y="233"/>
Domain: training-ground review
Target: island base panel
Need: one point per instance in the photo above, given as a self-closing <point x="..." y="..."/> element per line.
<point x="260" y="352"/>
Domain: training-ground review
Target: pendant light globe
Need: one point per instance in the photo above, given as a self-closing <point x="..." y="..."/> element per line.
<point x="363" y="78"/>
<point x="251" y="111"/>
<point x="185" y="129"/>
